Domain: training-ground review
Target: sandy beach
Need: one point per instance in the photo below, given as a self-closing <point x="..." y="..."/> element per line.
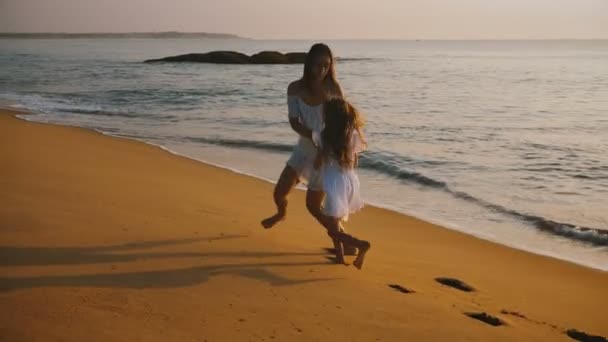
<point x="108" y="239"/>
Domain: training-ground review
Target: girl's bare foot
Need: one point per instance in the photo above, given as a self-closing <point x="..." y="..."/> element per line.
<point x="272" y="220"/>
<point x="363" y="248"/>
<point x="338" y="261"/>
<point x="339" y="251"/>
<point x="350" y="250"/>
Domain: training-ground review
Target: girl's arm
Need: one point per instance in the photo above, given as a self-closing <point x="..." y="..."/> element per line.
<point x="362" y="139"/>
<point x="360" y="144"/>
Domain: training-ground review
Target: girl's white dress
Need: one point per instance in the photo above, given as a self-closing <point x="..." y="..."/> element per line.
<point x="304" y="152"/>
<point x="341" y="185"/>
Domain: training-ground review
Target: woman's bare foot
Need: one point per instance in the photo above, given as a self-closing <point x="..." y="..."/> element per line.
<point x="272" y="220"/>
<point x="363" y="248"/>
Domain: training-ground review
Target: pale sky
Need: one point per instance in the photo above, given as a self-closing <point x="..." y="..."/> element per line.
<point x="317" y="19"/>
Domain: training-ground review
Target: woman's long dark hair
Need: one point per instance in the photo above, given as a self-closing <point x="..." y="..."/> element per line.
<point x="316" y="51"/>
<point x="341" y="121"/>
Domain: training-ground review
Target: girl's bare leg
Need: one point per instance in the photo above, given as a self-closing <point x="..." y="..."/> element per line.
<point x="363" y="249"/>
<point x="286" y="182"/>
<point x="346" y="240"/>
<point x="314" y="201"/>
<point x="333" y="229"/>
<point x="348" y="249"/>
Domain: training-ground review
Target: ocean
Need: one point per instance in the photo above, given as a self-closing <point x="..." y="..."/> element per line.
<point x="503" y="140"/>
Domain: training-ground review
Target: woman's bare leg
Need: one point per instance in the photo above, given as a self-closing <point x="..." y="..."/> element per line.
<point x="286" y="182"/>
<point x="314" y="201"/>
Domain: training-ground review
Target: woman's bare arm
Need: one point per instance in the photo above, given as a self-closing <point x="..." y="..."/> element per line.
<point x="294" y="89"/>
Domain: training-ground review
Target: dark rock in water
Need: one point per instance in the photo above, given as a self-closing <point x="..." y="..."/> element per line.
<point x="455" y="283"/>
<point x="584" y="337"/>
<point x="268" y="57"/>
<point x="296" y="57"/>
<point x="486" y="318"/>
<point x="224" y="57"/>
<point x="228" y="57"/>
<point x="232" y="57"/>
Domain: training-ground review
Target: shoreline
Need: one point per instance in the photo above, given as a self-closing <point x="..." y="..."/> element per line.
<point x="19" y="112"/>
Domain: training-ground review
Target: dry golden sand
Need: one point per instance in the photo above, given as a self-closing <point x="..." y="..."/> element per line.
<point x="106" y="239"/>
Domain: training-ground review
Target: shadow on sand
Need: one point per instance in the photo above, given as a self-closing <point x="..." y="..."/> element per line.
<point x="44" y="256"/>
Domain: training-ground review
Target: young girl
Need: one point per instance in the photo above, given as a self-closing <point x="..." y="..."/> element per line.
<point x="339" y="145"/>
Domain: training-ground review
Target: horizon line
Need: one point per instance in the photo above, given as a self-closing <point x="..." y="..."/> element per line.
<point x="237" y="36"/>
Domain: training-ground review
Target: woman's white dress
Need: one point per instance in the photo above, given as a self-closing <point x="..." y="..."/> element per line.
<point x="304" y="152"/>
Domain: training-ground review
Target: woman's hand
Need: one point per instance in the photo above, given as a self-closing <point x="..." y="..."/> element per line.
<point x="300" y="129"/>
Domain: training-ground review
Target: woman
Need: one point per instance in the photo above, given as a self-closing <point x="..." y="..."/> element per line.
<point x="305" y="98"/>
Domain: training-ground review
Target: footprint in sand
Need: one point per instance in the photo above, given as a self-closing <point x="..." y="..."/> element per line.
<point x="486" y="318"/>
<point x="584" y="337"/>
<point x="400" y="288"/>
<point x="455" y="283"/>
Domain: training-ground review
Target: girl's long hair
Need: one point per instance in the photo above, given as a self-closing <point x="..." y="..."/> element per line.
<point x="316" y="51"/>
<point x="341" y="121"/>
